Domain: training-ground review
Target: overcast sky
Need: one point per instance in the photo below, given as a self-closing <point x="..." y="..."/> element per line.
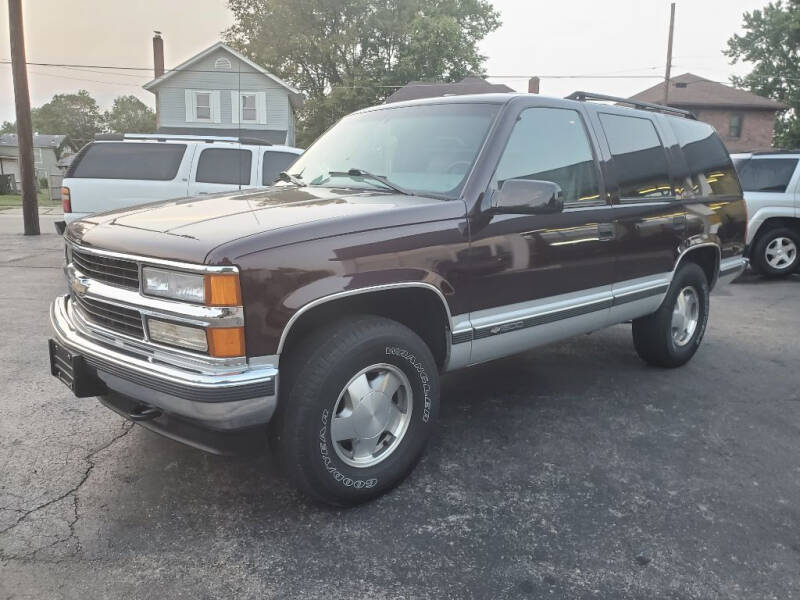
<point x="537" y="37"/>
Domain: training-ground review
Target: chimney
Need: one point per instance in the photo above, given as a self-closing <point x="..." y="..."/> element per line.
<point x="533" y="85"/>
<point x="158" y="55"/>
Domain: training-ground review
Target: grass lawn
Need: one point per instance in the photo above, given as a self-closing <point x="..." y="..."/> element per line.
<point x="7" y="200"/>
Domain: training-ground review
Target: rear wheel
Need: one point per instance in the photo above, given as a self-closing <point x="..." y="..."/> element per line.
<point x="776" y="253"/>
<point x="671" y="335"/>
<point x="361" y="400"/>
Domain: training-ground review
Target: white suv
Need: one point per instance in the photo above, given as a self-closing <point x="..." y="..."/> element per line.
<point x="115" y="172"/>
<point x="771" y="184"/>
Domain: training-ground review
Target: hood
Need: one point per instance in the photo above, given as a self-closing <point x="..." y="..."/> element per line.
<point x="190" y="229"/>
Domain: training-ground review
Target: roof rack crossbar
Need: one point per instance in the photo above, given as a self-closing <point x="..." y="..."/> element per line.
<point x="163" y="137"/>
<point x="584" y="96"/>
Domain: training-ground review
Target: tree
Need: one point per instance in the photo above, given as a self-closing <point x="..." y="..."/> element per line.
<point x="130" y="115"/>
<point x="75" y="115"/>
<point x="8" y="127"/>
<point x="771" y="42"/>
<point x="348" y="54"/>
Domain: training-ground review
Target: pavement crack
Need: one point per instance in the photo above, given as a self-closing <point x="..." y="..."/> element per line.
<point x="89" y="458"/>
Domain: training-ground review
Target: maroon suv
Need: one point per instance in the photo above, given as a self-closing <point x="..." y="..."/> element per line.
<point x="411" y="239"/>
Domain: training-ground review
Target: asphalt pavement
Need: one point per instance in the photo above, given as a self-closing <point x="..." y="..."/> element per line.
<point x="571" y="471"/>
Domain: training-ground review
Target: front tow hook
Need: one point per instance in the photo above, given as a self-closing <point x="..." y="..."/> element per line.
<point x="144" y="413"/>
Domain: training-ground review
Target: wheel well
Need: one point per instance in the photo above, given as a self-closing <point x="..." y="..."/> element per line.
<point x="419" y="309"/>
<point x="707" y="257"/>
<point x="774" y="223"/>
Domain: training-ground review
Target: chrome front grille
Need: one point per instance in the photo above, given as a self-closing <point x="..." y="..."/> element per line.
<point x="116" y="271"/>
<point x="111" y="316"/>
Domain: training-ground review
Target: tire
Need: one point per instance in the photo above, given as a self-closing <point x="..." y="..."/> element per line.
<point x="776" y="253"/>
<point x="325" y="388"/>
<point x="653" y="336"/>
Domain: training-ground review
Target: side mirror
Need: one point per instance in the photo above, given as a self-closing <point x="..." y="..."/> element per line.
<point x="528" y="196"/>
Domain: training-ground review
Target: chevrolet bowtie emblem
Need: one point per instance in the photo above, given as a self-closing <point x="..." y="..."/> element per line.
<point x="79" y="286"/>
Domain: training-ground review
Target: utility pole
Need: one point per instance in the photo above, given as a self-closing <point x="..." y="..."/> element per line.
<point x="669" y="53"/>
<point x="30" y="207"/>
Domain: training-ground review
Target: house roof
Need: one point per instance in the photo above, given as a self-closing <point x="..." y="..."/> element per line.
<point x="689" y="90"/>
<point x="151" y="85"/>
<point x="39" y="140"/>
<point x="432" y="89"/>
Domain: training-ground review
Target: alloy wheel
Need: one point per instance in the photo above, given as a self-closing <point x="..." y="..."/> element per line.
<point x="371" y="415"/>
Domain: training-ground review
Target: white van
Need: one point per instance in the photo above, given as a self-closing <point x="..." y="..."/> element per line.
<point x="115" y="172"/>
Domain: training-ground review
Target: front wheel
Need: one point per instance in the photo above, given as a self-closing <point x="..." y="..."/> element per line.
<point x="360" y="405"/>
<point x="671" y="335"/>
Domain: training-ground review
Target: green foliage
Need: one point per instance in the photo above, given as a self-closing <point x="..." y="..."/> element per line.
<point x="348" y="54"/>
<point x="130" y="115"/>
<point x="771" y="42"/>
<point x="79" y="118"/>
<point x="75" y="115"/>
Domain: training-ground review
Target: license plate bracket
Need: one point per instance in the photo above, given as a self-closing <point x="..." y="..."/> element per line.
<point x="71" y="369"/>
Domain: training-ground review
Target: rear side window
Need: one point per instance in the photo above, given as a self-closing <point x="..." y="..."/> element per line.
<point x="550" y="144"/>
<point x="766" y="174"/>
<point x="125" y="160"/>
<point x="224" y="165"/>
<point x="711" y="172"/>
<point x="274" y="163"/>
<point x="639" y="157"/>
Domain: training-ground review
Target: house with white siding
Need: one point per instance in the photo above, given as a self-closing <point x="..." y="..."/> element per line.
<point x="222" y="92"/>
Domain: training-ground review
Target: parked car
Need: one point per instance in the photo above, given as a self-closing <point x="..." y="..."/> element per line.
<point x="771" y="183"/>
<point x="409" y="240"/>
<point x="122" y="171"/>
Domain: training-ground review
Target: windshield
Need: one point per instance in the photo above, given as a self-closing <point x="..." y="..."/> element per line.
<point x="427" y="150"/>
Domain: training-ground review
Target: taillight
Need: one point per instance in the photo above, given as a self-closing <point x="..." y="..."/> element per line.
<point x="66" y="201"/>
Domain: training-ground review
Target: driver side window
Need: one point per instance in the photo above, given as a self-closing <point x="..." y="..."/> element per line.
<point x="550" y="144"/>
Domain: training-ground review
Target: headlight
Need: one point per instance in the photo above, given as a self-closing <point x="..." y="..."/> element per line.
<point x="218" y="289"/>
<point x="174" y="284"/>
<point x="172" y="334"/>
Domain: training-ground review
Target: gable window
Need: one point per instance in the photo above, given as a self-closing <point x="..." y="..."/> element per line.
<point x="249" y="107"/>
<point x="735" y="125"/>
<point x="202" y="106"/>
<point x="222" y="64"/>
<point x="249" y="110"/>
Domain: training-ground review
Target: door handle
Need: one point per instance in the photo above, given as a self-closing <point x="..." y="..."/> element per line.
<point x="606" y="232"/>
<point x="679" y="222"/>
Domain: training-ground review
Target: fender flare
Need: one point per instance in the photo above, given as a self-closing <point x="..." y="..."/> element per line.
<point x="360" y="291"/>
<point x="691" y="248"/>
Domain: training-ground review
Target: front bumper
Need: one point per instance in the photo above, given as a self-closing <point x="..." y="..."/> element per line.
<point x="240" y="399"/>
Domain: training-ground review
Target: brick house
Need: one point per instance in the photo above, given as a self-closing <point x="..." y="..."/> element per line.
<point x="745" y="121"/>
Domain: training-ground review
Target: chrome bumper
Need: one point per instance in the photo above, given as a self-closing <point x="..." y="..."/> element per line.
<point x="244" y="397"/>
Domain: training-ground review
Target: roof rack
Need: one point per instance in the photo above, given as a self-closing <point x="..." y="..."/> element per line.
<point x="163" y="137"/>
<point x="583" y="96"/>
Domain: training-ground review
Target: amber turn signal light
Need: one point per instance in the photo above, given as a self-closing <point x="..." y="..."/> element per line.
<point x="226" y="342"/>
<point x="223" y="290"/>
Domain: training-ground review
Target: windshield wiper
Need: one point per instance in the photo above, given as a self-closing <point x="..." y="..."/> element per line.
<point x="367" y="175"/>
<point x="289" y="178"/>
